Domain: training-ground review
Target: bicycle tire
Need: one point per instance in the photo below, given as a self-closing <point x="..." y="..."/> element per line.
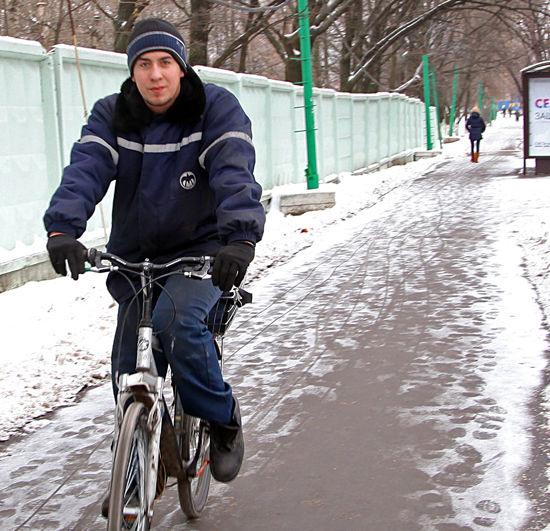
<point x="128" y="504"/>
<point x="194" y="483"/>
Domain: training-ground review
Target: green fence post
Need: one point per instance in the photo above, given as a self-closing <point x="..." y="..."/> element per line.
<point x="307" y="78"/>
<point x="426" y="75"/>
<point x="434" y="88"/>
<point x="480" y="96"/>
<point x="453" y="106"/>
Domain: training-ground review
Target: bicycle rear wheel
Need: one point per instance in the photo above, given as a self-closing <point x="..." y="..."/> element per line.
<point x="194" y="443"/>
<point x="128" y="502"/>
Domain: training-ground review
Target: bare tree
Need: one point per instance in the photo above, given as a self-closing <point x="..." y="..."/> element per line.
<point x="357" y="45"/>
<point x="127" y="14"/>
<point x="199" y="31"/>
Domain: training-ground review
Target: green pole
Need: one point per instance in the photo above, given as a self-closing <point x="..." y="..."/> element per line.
<point x="453" y="106"/>
<point x="492" y="111"/>
<point x="434" y="88"/>
<point x="426" y="76"/>
<point x="312" y="176"/>
<point x="480" y="96"/>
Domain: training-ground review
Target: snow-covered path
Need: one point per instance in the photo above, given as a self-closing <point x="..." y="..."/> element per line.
<point x="390" y="373"/>
<point x="58" y="333"/>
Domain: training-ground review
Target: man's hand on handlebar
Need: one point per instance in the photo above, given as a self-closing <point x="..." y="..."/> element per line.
<point x="63" y="247"/>
<point x="231" y="264"/>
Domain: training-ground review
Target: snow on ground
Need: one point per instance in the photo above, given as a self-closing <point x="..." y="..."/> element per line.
<point x="535" y="238"/>
<point x="59" y="332"/>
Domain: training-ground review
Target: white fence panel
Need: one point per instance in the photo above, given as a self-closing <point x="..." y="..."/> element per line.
<point x="42" y="112"/>
<point x="27" y="138"/>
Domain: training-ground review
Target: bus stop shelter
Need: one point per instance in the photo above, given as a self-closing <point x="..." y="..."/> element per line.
<point x="536" y="121"/>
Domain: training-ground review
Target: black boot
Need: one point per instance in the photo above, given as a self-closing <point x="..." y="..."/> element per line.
<point x="227" y="447"/>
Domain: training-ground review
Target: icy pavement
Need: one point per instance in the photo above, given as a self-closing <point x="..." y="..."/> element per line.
<point x="61" y="331"/>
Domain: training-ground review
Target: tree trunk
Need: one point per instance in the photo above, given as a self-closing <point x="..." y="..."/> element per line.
<point x="6" y="25"/>
<point x="293" y="71"/>
<point x="128" y="12"/>
<point x="293" y="66"/>
<point x="59" y="23"/>
<point x="353" y="20"/>
<point x="199" y="30"/>
<point x="244" y="47"/>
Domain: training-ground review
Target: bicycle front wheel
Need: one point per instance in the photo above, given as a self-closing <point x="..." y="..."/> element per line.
<point x="128" y="501"/>
<point x="194" y="442"/>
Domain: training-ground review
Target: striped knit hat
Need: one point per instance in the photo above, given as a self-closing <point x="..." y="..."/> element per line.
<point x="153" y="34"/>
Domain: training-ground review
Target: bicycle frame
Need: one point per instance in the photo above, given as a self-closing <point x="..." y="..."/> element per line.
<point x="175" y="447"/>
<point x="145" y="385"/>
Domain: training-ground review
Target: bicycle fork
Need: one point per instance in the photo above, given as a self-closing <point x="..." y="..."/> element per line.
<point x="147" y="387"/>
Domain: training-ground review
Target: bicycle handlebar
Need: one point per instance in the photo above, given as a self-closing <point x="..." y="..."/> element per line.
<point x="194" y="266"/>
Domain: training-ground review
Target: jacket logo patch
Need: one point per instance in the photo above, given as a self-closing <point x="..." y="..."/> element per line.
<point x="188" y="180"/>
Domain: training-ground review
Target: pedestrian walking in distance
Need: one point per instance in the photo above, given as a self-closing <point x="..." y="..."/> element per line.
<point x="475" y="125"/>
<point x="181" y="156"/>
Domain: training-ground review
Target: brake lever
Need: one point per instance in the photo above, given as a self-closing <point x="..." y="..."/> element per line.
<point x="94" y="259"/>
<point x="204" y="272"/>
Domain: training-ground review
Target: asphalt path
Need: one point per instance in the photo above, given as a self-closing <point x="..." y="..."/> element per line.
<point x="391" y="377"/>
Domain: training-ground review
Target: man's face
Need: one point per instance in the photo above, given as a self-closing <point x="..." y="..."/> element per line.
<point x="157" y="76"/>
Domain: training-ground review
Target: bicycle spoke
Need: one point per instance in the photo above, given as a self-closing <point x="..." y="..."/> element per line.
<point x="128" y="507"/>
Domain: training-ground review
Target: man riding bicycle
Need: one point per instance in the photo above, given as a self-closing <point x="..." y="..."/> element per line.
<point x="181" y="155"/>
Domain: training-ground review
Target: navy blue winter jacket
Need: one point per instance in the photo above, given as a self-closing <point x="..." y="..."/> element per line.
<point x="184" y="181"/>
<point x="475" y="125"/>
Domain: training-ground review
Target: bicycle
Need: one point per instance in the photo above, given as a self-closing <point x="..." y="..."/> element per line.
<point x="155" y="439"/>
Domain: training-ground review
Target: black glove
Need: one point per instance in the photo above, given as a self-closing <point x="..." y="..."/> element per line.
<point x="63" y="247"/>
<point x="231" y="264"/>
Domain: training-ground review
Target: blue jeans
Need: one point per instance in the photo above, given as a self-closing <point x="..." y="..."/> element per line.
<point x="187" y="344"/>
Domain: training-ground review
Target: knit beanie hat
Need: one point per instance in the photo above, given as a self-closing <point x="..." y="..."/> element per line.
<point x="153" y="34"/>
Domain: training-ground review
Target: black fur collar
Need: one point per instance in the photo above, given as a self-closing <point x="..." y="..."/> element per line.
<point x="131" y="112"/>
